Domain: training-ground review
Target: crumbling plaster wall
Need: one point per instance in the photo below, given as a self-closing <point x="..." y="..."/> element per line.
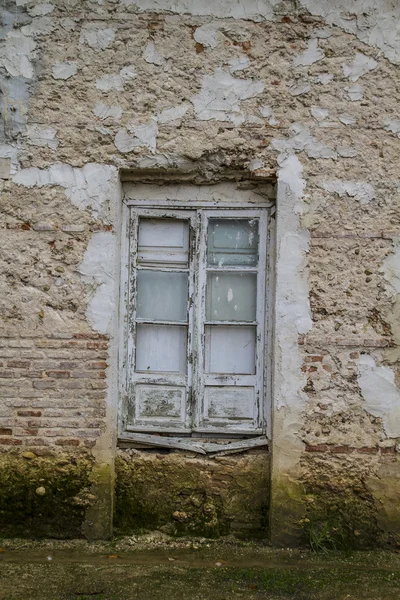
<point x="309" y="88"/>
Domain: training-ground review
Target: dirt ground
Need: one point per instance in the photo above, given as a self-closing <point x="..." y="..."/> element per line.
<point x="160" y="568"/>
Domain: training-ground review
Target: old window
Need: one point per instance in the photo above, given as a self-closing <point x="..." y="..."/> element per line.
<point x="195" y="320"/>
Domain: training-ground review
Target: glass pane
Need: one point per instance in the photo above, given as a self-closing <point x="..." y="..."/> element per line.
<point x="161" y="348"/>
<point x="162" y="296"/>
<point x="230" y="349"/>
<point x="231" y="296"/>
<point x="163" y="241"/>
<point x="233" y="242"/>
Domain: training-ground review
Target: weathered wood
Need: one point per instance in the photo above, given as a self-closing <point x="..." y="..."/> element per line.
<point x="193" y="445"/>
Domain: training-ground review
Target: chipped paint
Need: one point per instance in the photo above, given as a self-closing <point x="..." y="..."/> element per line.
<point x="380" y="393"/>
<point x="355" y="92"/>
<point x="311" y="55"/>
<point x="103" y="111"/>
<point x="97" y="36"/>
<point x="64" y="70"/>
<point x="17" y="53"/>
<point x="360" y="66"/>
<point x="301" y="141"/>
<point x="151" y="55"/>
<point x="206" y="35"/>
<point x="361" y="191"/>
<point x="172" y="115"/>
<point x="137" y="135"/>
<point x="40" y="135"/>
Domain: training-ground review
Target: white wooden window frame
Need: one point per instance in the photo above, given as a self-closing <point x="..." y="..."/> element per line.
<point x="193" y="422"/>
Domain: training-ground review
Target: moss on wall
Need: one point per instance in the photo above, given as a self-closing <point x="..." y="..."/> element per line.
<point x="43" y="496"/>
<point x="186" y="495"/>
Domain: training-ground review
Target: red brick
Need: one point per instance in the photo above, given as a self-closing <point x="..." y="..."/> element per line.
<point x="19" y="364"/>
<point x="368" y="450"/>
<point x="29" y="413"/>
<point x="354" y="355"/>
<point x="341" y="449"/>
<point x="10" y="442"/>
<point x="67" y="442"/>
<point x="97" y="345"/>
<point x="313" y="358"/>
<point x="5" y="431"/>
<point x="312" y="369"/>
<point x="98" y="365"/>
<point x="58" y="374"/>
<point x="6" y="374"/>
<point x="44" y="384"/>
<point x="69" y="365"/>
<point x="317" y="448"/>
<point x="388" y="450"/>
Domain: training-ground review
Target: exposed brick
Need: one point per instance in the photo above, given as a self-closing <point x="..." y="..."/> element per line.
<point x="313" y="358"/>
<point x="58" y="374"/>
<point x="341" y="449"/>
<point x="388" y="450"/>
<point x="354" y="355"/>
<point x="98" y="365"/>
<point x="317" y="448"/>
<point x="19" y="364"/>
<point x="5" y="431"/>
<point x="44" y="384"/>
<point x="97" y="345"/>
<point x="6" y="374"/>
<point x="29" y="413"/>
<point x="10" y="442"/>
<point x="67" y="442"/>
<point x="368" y="450"/>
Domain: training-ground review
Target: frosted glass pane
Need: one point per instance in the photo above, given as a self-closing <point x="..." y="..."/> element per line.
<point x="163" y="241"/>
<point x="161" y="348"/>
<point x="233" y="242"/>
<point x="162" y="296"/>
<point x="231" y="296"/>
<point x="230" y="349"/>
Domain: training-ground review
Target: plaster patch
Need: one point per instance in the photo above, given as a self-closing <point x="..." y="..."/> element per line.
<point x="98" y="37"/>
<point x="206" y="35"/>
<point x="151" y="55"/>
<point x="301" y="141"/>
<point x="91" y="187"/>
<point x="374" y="22"/>
<point x="64" y="70"/>
<point x="137" y="135"/>
<point x="104" y="112"/>
<point x="311" y="55"/>
<point x="359" y="190"/>
<point x="172" y="115"/>
<point x="16" y="54"/>
<point x="355" y="92"/>
<point x="221" y="94"/>
<point x="323" y="33"/>
<point x="40" y="135"/>
<point x="99" y="269"/>
<point x="380" y="393"/>
<point x="239" y="64"/>
<point x="360" y="66"/>
<point x="252" y="10"/>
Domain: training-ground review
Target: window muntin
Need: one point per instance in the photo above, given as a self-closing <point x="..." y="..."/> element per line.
<point x="196" y="314"/>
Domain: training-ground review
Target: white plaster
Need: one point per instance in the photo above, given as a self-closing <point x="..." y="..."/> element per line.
<point x="68" y="24"/>
<point x="392" y="125"/>
<point x="127" y="73"/>
<point x="347" y="119"/>
<point x="374" y="22"/>
<point x="151" y="55"/>
<point x="319" y="113"/>
<point x="255" y="164"/>
<point x="99" y="269"/>
<point x="355" y="92"/>
<point x="42" y="136"/>
<point x="346" y="151"/>
<point x="39" y="26"/>
<point x="172" y="115"/>
<point x="137" y="135"/>
<point x="360" y="66"/>
<point x="110" y="82"/>
<point x="41" y="9"/>
<point x="361" y="191"/>
<point x="380" y="393"/>
<point x="64" y="70"/>
<point x="299" y="88"/>
<point x="98" y="37"/>
<point x="324" y="78"/>
<point x="239" y="64"/>
<point x="16" y="54"/>
<point x="252" y="10"/>
<point x="104" y="112"/>
<point x="311" y="55"/>
<point x="11" y="152"/>
<point x="221" y="94"/>
<point x="391" y="269"/>
<point x="90" y="187"/>
<point x="206" y="35"/>
<point x="301" y="141"/>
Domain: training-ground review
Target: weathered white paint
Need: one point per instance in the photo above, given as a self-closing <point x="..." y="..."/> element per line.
<point x="221" y="94"/>
<point x="16" y="54"/>
<point x="207" y="35"/>
<point x="355" y="92"/>
<point x="40" y="135"/>
<point x="172" y="115"/>
<point x="360" y="66"/>
<point x="91" y="187"/>
<point x="361" y="191"/>
<point x="137" y="135"/>
<point x="99" y="268"/>
<point x="311" y="55"/>
<point x="380" y="393"/>
<point x="97" y="36"/>
<point x="64" y="70"/>
<point x="302" y="140"/>
<point x="103" y="111"/>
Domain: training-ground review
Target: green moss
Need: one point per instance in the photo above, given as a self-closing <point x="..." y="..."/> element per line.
<point x="192" y="496"/>
<point x="58" y="510"/>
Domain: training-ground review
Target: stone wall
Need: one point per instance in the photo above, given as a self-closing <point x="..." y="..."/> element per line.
<point x="307" y="90"/>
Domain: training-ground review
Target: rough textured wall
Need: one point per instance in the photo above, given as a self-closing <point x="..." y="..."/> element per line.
<point x="309" y="88"/>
